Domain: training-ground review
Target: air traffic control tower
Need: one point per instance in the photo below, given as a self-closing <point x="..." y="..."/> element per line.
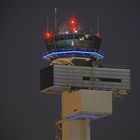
<point x="87" y="88"/>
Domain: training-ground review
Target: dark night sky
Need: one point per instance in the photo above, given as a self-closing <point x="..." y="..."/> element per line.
<point x="25" y="114"/>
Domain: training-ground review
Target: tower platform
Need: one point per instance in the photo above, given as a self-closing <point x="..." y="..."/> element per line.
<point x="57" y="77"/>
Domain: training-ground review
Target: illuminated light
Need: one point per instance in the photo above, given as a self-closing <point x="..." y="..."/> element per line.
<point x="100" y="56"/>
<point x="81" y="38"/>
<point x="73" y="21"/>
<point x="47" y="35"/>
<point x="72" y="43"/>
<point x="67" y="32"/>
<point x="74" y="30"/>
<point x="93" y="116"/>
<point x="98" y="34"/>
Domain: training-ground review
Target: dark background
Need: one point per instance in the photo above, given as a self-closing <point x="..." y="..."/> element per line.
<point x="25" y="114"/>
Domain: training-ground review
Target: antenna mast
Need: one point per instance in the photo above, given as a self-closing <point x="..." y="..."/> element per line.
<point x="47" y="23"/>
<point x="55" y="19"/>
<point x="73" y="13"/>
<point x="98" y="26"/>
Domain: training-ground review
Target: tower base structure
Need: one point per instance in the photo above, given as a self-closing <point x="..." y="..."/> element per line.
<point x="87" y="94"/>
<point x="76" y="130"/>
<point x="79" y="107"/>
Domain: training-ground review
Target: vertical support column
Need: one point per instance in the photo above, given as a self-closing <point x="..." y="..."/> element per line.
<point x="74" y="129"/>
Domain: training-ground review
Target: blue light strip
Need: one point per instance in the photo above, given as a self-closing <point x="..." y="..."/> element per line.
<point x="73" y="52"/>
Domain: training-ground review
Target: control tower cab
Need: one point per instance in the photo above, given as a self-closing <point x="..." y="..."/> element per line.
<point x="71" y="43"/>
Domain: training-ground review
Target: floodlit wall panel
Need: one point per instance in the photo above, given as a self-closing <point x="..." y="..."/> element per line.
<point x="86" y="77"/>
<point x="93" y="104"/>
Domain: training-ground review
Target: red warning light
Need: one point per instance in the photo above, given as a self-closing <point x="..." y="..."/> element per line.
<point x="47" y="35"/>
<point x="73" y="21"/>
<point x="74" y="29"/>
